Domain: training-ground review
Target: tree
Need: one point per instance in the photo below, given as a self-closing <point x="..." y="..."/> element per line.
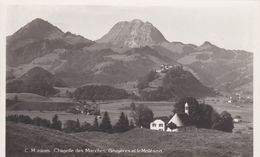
<point x="56" y="123"/>
<point x="105" y="124"/>
<point x="205" y="120"/>
<point x="224" y="122"/>
<point x="95" y="126"/>
<point x="123" y="124"/>
<point x="143" y="116"/>
<point x="77" y="127"/>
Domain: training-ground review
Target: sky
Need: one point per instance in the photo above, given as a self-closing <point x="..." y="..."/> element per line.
<point x="229" y="27"/>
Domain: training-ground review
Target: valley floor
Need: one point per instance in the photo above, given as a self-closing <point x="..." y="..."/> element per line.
<point x="160" y="108"/>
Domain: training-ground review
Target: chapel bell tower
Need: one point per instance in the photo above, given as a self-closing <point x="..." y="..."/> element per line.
<point x="186" y="107"/>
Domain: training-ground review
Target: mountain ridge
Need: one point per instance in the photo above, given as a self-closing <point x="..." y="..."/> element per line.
<point x="126" y="58"/>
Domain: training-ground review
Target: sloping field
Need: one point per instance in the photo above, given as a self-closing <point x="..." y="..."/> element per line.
<point x="42" y="106"/>
<point x="21" y="136"/>
<point x="26" y="97"/>
<point x="193" y="143"/>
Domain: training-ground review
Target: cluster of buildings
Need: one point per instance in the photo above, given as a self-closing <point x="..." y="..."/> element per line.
<point x="85" y="108"/>
<point x="178" y="122"/>
<point x="164" y="68"/>
<point x="174" y="124"/>
<point x="237" y="97"/>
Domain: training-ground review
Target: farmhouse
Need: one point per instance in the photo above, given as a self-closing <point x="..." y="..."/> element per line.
<point x="178" y="122"/>
<point x="159" y="123"/>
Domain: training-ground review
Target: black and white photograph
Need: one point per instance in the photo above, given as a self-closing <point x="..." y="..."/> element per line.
<point x="127" y="80"/>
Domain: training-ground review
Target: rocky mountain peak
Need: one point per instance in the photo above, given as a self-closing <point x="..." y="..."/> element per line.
<point x="135" y="33"/>
<point x="137" y="21"/>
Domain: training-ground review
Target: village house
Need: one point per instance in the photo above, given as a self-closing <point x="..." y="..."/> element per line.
<point x="157" y="124"/>
<point x="178" y="122"/>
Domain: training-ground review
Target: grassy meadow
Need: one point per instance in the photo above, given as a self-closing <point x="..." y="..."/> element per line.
<point x="191" y="143"/>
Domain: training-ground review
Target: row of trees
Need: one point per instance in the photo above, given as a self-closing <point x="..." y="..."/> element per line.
<point x="122" y="125"/>
<point x="54" y="124"/>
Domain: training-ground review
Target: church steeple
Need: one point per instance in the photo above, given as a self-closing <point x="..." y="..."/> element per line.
<point x="186" y="108"/>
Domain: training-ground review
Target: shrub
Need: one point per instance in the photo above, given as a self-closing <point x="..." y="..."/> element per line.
<point x="224" y="122"/>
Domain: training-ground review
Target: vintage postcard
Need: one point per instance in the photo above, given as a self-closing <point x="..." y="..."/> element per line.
<point x="156" y="79"/>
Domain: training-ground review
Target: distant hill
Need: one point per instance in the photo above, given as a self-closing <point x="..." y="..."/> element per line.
<point x="109" y="67"/>
<point x="174" y="83"/>
<point x="36" y="80"/>
<point x="100" y="92"/>
<point x="225" y="70"/>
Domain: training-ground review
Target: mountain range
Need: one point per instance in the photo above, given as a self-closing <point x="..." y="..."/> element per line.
<point x="127" y="52"/>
